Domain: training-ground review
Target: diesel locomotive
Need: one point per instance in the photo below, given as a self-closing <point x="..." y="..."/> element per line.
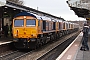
<point x="31" y="30"/>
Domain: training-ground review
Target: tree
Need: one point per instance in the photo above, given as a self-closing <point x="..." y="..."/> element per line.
<point x="21" y="2"/>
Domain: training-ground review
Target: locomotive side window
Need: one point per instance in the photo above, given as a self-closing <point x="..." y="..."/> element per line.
<point x="44" y="25"/>
<point x="69" y="25"/>
<point x="59" y="25"/>
<point x="19" y="23"/>
<point x="47" y="24"/>
<point x="63" y="25"/>
<point x="30" y="22"/>
<point x="38" y="22"/>
<point x="54" y="25"/>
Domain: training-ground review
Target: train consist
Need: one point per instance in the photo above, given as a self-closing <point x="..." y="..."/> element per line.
<point x="31" y="31"/>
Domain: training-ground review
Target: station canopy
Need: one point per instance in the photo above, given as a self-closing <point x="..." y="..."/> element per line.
<point x="80" y="7"/>
<point x="10" y="9"/>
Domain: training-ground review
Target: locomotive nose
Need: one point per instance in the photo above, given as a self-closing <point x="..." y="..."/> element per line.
<point x="26" y="33"/>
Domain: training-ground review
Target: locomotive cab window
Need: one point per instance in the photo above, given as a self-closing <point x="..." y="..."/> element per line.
<point x="19" y="23"/>
<point x="30" y="22"/>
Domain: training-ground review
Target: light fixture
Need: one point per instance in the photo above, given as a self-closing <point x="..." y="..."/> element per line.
<point x="6" y="7"/>
<point x="5" y="12"/>
<point x="14" y="9"/>
<point x="24" y="16"/>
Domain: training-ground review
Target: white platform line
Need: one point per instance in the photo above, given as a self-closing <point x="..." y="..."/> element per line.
<point x="5" y="42"/>
<point x="60" y="56"/>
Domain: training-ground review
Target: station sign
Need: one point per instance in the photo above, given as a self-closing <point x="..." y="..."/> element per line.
<point x="2" y="2"/>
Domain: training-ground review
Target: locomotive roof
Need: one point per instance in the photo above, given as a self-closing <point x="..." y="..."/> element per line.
<point x="35" y="16"/>
<point x="25" y="14"/>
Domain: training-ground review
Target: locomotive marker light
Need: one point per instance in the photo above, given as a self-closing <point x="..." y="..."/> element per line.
<point x="6" y="7"/>
<point x="28" y="40"/>
<point x="14" y="9"/>
<point x="24" y="16"/>
<point x="15" y="35"/>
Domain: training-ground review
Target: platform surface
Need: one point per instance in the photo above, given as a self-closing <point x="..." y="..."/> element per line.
<point x="83" y="55"/>
<point x="5" y="40"/>
<point x="73" y="52"/>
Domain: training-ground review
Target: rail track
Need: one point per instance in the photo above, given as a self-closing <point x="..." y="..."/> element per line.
<point x="55" y="52"/>
<point x="13" y="55"/>
<point x="48" y="51"/>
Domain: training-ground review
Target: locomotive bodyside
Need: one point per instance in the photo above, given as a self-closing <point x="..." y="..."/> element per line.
<point x="31" y="31"/>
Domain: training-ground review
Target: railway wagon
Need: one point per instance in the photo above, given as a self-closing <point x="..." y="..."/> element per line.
<point x="31" y="31"/>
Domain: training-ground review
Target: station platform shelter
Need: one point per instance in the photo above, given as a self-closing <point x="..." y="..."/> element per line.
<point x="7" y="11"/>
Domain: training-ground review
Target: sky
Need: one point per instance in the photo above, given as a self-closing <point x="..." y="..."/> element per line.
<point x="57" y="8"/>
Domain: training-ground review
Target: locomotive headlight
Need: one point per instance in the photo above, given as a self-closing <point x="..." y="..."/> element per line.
<point x="15" y="35"/>
<point x="24" y="16"/>
<point x="28" y="40"/>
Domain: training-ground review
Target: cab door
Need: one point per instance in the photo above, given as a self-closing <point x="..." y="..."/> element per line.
<point x="40" y="27"/>
<point x="18" y="25"/>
